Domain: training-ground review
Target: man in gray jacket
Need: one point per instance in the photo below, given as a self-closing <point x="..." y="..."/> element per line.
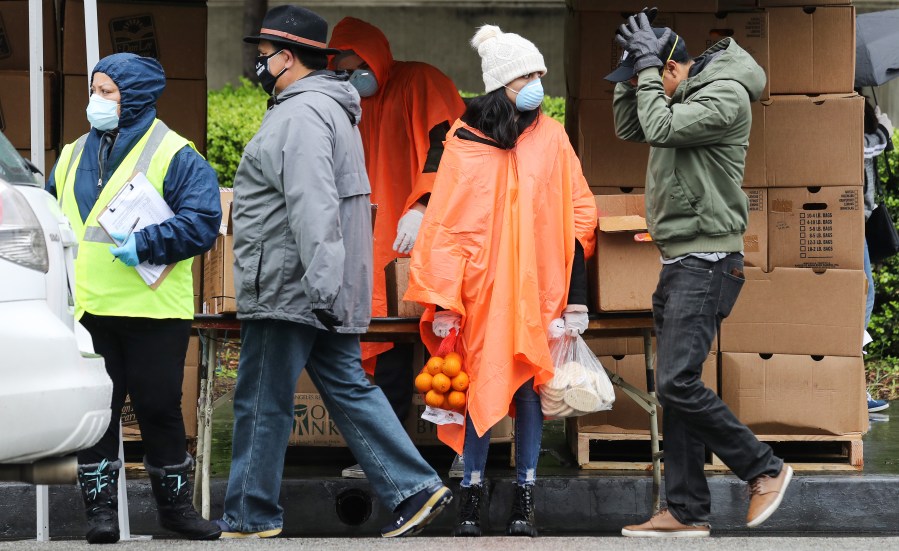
<point x="303" y="277"/>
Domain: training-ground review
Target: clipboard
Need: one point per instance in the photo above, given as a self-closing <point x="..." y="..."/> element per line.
<point x="137" y="204"/>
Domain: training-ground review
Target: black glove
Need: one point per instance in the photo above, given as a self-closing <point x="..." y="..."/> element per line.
<point x="327" y="318"/>
<point x="641" y="42"/>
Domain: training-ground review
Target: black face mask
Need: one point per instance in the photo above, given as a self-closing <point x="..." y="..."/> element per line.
<point x="266" y="78"/>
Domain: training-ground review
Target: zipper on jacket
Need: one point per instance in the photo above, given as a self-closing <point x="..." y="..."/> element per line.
<point x="259" y="268"/>
<point x="100" y="164"/>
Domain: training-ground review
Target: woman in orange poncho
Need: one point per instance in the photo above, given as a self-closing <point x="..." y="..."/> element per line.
<point x="499" y="256"/>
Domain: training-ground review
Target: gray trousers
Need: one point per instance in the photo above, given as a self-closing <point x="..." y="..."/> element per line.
<point x="692" y="298"/>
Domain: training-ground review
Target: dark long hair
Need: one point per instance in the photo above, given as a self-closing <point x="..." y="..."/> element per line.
<point x="494" y="115"/>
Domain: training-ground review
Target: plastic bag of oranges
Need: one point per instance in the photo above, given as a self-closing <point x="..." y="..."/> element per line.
<point x="444" y="384"/>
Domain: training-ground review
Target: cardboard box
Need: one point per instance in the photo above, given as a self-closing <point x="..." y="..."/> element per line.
<point x="784" y="394"/>
<point x="607" y="160"/>
<point x="807" y="140"/>
<point x="182" y="106"/>
<point x="14" y="45"/>
<point x="50" y="156"/>
<point x="798" y="311"/>
<point x="755" y="173"/>
<point x="313" y="426"/>
<point x="226" y="197"/>
<point x="800" y="3"/>
<point x="219" y="296"/>
<point x="172" y="32"/>
<point x="626" y="416"/>
<point x="701" y="31"/>
<point x="820" y="227"/>
<point x="812" y="50"/>
<point x="617" y="346"/>
<point x="397" y="274"/>
<point x="15" y="109"/>
<point x="190" y="394"/>
<point x="197" y="273"/>
<point x="623" y="273"/>
<point x="755" y="240"/>
<point x="631" y="6"/>
<point x="604" y="190"/>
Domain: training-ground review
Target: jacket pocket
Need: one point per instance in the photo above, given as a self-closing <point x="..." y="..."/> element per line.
<point x="251" y="279"/>
<point x="692" y="196"/>
<point x="352" y="184"/>
<point x="259" y="269"/>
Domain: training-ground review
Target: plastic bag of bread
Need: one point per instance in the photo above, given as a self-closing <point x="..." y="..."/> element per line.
<point x="580" y="384"/>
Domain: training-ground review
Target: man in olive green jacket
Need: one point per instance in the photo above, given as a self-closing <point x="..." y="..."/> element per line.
<point x="695" y="114"/>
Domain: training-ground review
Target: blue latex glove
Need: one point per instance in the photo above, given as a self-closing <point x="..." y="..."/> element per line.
<point x="127" y="252"/>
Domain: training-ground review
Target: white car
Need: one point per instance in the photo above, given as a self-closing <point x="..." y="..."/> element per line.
<point x="54" y="391"/>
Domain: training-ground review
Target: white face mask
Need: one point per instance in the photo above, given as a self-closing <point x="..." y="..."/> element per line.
<point x="103" y="114"/>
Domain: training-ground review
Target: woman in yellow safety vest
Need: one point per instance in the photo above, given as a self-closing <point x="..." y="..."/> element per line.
<point x="141" y="331"/>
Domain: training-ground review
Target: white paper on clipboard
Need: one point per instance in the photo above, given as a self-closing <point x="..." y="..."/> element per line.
<point x="137" y="200"/>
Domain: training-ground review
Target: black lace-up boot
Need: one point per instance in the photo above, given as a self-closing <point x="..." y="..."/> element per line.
<point x="172" y="490"/>
<point x="99" y="488"/>
<point x="521" y="521"/>
<point x="469" y="523"/>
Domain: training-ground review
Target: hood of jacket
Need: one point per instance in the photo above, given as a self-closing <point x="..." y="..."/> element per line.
<point x="334" y="85"/>
<point x="725" y="60"/>
<point x="368" y="42"/>
<point x="141" y="81"/>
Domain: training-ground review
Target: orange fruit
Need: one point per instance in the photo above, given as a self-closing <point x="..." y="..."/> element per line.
<point x="455" y="356"/>
<point x="434" y="399"/>
<point x="440" y="383"/>
<point x="423" y="382"/>
<point x="452" y="365"/>
<point x="456" y="399"/>
<point x="451" y="368"/>
<point x="434" y="365"/>
<point x="460" y="382"/>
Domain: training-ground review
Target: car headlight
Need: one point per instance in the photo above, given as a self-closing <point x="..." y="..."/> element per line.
<point x="21" y="236"/>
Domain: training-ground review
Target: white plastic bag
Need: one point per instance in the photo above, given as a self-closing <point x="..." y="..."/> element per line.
<point x="579" y="385"/>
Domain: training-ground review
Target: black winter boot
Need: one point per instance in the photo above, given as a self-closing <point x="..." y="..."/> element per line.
<point x="469" y="523"/>
<point x="99" y="488"/>
<point x="521" y="521"/>
<point x="172" y="490"/>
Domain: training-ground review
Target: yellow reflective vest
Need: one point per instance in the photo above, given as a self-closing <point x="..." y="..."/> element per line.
<point x="104" y="287"/>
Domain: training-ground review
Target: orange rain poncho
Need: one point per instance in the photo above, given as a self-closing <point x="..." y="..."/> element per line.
<point x="497" y="246"/>
<point x="412" y="99"/>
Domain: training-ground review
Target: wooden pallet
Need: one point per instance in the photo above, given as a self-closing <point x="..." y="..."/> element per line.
<point x="805" y="453"/>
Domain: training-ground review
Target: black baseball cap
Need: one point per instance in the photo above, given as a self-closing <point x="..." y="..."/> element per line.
<point x="675" y="49"/>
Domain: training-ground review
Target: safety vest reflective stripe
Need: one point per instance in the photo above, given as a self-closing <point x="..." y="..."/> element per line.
<point x="110" y="288"/>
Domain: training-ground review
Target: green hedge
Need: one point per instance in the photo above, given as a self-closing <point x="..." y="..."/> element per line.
<point x="235" y="113"/>
<point x="884" y="326"/>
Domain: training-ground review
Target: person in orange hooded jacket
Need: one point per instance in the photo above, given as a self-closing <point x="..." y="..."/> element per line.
<point x="501" y="255"/>
<point x="407" y="108"/>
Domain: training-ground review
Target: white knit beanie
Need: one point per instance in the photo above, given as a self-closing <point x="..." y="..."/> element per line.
<point x="505" y="56"/>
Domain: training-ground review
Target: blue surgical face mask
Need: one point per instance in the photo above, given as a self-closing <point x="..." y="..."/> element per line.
<point x="530" y="96"/>
<point x="364" y="81"/>
<point x="103" y="114"/>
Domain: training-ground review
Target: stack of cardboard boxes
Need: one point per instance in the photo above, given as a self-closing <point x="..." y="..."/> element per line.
<point x="15" y="97"/>
<point x="789" y="358"/>
<point x="172" y="32"/>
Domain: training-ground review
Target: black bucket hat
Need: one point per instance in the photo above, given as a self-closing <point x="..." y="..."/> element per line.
<point x="294" y="26"/>
<point x="675" y="49"/>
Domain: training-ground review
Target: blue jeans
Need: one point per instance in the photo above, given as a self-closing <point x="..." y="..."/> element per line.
<point x="869" y="300"/>
<point x="273" y="354"/>
<point x="528" y="434"/>
<point x="692" y="298"/>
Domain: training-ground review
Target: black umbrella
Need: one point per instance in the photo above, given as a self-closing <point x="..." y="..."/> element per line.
<point x="876" y="48"/>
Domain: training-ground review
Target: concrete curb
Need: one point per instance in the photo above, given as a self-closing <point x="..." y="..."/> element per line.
<point x="838" y="504"/>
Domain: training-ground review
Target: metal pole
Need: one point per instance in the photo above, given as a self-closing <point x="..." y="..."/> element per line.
<point x="92" y="36"/>
<point x="653" y="423"/>
<point x="36" y="81"/>
<point x="43" y="513"/>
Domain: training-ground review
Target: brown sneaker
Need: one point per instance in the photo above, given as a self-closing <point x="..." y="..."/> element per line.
<point x="767" y="493"/>
<point x="664" y="525"/>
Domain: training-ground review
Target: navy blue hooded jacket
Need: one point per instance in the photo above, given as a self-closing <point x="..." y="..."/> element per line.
<point x="190" y="187"/>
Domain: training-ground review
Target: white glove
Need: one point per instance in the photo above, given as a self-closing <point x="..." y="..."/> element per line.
<point x="444" y="321"/>
<point x="407" y="231"/>
<point x="576" y="320"/>
<point x="883" y="120"/>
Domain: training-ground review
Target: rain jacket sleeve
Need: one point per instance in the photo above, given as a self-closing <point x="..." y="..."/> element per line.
<point x="305" y="166"/>
<point x="704" y="120"/>
<point x="624" y="110"/>
<point x="191" y="190"/>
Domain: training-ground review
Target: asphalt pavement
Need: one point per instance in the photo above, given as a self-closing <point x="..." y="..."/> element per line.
<point x="489" y="544"/>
